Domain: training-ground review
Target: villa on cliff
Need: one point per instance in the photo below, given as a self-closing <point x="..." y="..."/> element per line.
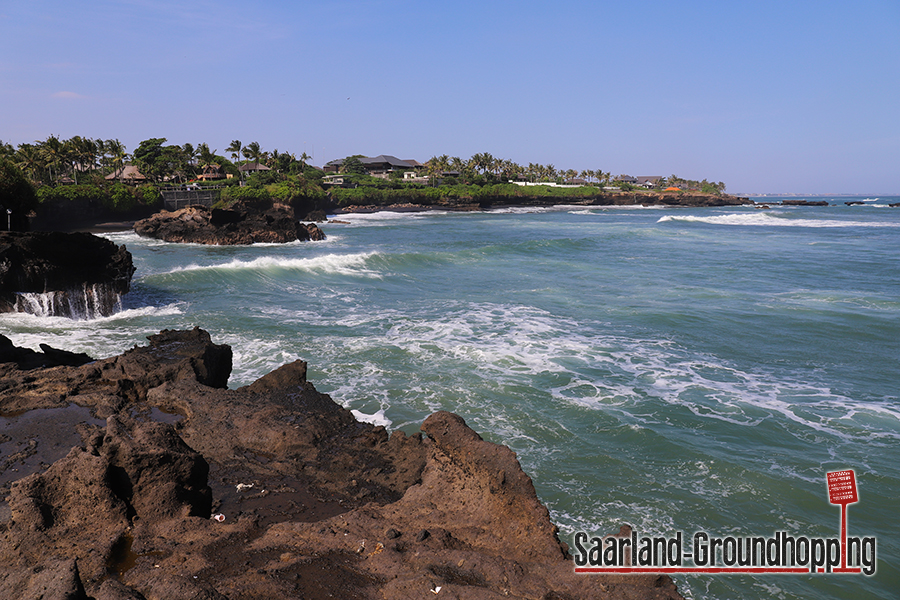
<point x="379" y="166"/>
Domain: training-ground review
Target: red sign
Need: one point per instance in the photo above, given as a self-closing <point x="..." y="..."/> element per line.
<point x="842" y="487"/>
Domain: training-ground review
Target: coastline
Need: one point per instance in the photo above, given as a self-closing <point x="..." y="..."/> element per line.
<point x="202" y="481"/>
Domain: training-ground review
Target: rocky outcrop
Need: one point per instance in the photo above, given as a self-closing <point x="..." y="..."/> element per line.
<point x="189" y="489"/>
<point x="76" y="275"/>
<point x="240" y="224"/>
<point x="26" y="358"/>
<point x="804" y="203"/>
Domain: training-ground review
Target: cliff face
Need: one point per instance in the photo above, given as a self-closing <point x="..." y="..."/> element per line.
<point x="177" y="487"/>
<point x="62" y="274"/>
<point x="238" y="225"/>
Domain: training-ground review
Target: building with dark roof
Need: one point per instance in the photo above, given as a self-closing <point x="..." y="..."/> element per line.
<point x="377" y="166"/>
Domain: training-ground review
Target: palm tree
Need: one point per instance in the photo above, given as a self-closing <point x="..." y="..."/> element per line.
<point x="117" y="156"/>
<point x="204" y="155"/>
<point x="235" y="149"/>
<point x="28" y="158"/>
<point x="272" y="159"/>
<point x="84" y="152"/>
<point x="253" y="151"/>
<point x="52" y="152"/>
<point x="457" y="164"/>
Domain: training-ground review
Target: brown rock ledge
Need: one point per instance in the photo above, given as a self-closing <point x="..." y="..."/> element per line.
<point x="313" y="504"/>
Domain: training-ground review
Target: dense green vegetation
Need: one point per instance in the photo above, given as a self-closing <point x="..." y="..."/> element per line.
<point x="92" y="172"/>
<point x="16" y="195"/>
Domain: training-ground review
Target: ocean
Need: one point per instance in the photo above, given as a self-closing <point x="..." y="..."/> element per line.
<point x="676" y="369"/>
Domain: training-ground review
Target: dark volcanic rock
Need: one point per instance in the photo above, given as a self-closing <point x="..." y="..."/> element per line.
<point x="242" y="223"/>
<point x="804" y="202"/>
<point x="25" y="358"/>
<point x="79" y="273"/>
<point x="307" y="502"/>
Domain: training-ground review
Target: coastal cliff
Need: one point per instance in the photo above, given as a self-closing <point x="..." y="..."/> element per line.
<point x="142" y="476"/>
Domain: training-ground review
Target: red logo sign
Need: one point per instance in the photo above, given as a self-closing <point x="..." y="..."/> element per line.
<point x="842" y="487"/>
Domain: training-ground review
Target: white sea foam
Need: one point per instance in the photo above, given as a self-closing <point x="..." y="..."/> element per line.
<point x="41" y="322"/>
<point x="385" y="217"/>
<point x="375" y="419"/>
<point x="342" y="264"/>
<point x="768" y="220"/>
<point x="507" y="345"/>
<point x="526" y="210"/>
<point x="130" y="238"/>
<point x="597" y="210"/>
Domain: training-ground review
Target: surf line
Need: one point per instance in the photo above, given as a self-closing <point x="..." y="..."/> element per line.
<point x="779" y="554"/>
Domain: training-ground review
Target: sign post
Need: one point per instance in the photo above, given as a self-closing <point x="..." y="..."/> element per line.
<point x="842" y="490"/>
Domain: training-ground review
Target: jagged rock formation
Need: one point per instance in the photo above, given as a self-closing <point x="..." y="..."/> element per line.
<point x="305" y="501"/>
<point x="76" y="275"/>
<point x="242" y="223"/>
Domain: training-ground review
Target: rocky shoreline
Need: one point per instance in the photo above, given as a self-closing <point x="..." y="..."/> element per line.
<point x="610" y="199"/>
<point x="141" y="476"/>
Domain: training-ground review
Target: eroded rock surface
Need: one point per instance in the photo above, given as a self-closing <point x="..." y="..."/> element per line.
<point x="242" y="223"/>
<point x="192" y="490"/>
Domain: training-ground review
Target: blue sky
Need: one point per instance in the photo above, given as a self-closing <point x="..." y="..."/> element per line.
<point x="767" y="96"/>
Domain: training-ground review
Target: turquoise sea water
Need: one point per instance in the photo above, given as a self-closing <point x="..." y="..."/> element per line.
<point x="675" y="369"/>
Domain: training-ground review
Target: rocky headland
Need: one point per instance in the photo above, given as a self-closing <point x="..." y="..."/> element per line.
<point x="242" y="223"/>
<point x="141" y="476"/>
<point x="62" y="274"/>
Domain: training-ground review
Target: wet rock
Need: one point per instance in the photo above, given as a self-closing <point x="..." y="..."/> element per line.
<point x="62" y="274"/>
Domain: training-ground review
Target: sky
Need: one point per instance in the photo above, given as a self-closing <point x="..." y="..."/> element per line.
<point x="777" y="96"/>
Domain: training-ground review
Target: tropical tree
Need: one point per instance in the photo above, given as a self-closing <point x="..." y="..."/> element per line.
<point x="253" y="152"/>
<point x="29" y="160"/>
<point x="53" y="154"/>
<point x="82" y="154"/>
<point x="190" y="153"/>
<point x="158" y="162"/>
<point x="459" y="165"/>
<point x="115" y="151"/>
<point x="205" y="156"/>
<point x="235" y="149"/>
<point x="16" y="195"/>
<point x="510" y="170"/>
